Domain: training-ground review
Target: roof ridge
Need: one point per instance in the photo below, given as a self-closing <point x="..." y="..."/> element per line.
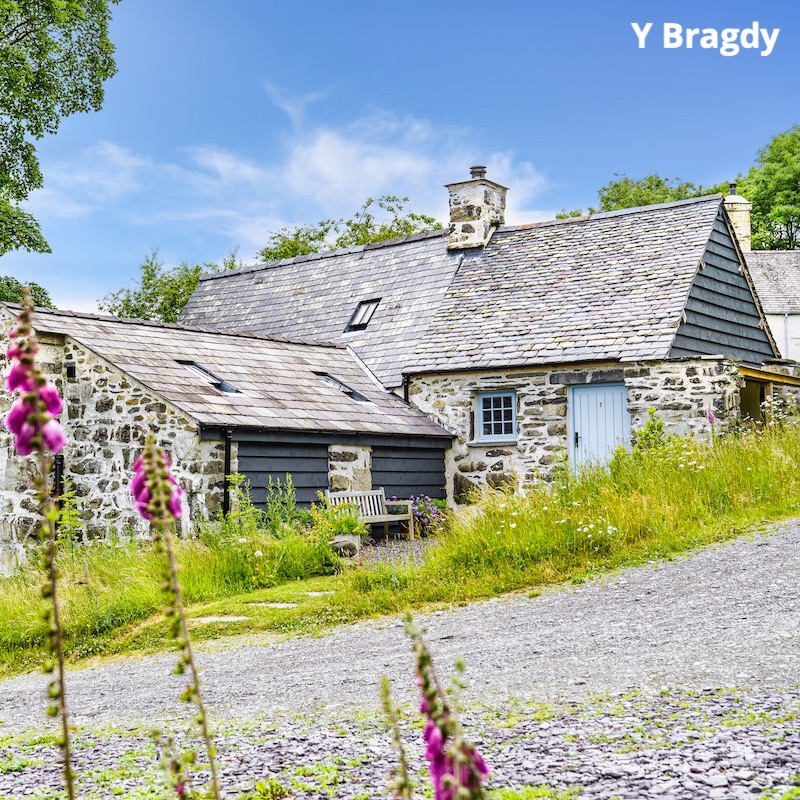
<point x="707" y="198"/>
<point x="584" y="218"/>
<point x="110" y="318"/>
<point x="359" y="248"/>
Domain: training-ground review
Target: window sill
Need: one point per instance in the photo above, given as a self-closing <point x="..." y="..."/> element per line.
<point x="490" y="442"/>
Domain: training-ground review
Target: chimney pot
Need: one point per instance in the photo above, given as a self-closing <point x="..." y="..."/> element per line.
<point x="733" y="187"/>
<point x="477" y="171"/>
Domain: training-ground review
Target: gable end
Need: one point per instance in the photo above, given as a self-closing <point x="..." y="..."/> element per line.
<point x="722" y="315"/>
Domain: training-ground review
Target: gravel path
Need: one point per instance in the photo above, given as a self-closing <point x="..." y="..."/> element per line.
<point x="675" y="679"/>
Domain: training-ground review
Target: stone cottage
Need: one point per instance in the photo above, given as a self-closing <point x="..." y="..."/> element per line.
<point x="483" y="354"/>
<point x="220" y="404"/>
<point x="533" y="344"/>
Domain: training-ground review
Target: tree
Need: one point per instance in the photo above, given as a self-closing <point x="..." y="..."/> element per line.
<point x="11" y="292"/>
<point x="54" y="57"/>
<point x="773" y="187"/>
<point x="625" y="192"/>
<point x="360" y="229"/>
<point x="161" y="294"/>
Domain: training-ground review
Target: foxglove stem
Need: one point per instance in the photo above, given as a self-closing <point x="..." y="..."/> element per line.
<point x="31" y="421"/>
<point x="457" y="768"/>
<point x="158" y="500"/>
<point x="56" y="689"/>
<point x="401" y="785"/>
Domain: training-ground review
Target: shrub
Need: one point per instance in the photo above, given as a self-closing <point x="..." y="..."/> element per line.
<point x="328" y="520"/>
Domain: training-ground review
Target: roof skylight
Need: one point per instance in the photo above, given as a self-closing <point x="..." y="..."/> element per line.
<point x="343" y="387"/>
<point x="209" y="377"/>
<point x="362" y="315"/>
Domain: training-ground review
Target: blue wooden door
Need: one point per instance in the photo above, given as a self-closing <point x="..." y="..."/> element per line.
<point x="599" y="422"/>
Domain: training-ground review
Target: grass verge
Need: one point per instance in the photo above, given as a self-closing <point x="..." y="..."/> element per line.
<point x="651" y="504"/>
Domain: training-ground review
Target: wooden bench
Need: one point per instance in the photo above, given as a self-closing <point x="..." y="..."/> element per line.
<point x="372" y="507"/>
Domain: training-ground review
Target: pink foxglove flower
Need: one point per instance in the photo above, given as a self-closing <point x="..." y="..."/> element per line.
<point x="154" y="488"/>
<point x="454" y="763"/>
<point x="710" y="416"/>
<point x="443" y="768"/>
<point x="32" y="415"/>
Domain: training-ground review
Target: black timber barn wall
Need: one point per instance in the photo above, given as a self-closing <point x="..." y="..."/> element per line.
<point x="406" y="471"/>
<point x="401" y="465"/>
<point x="721" y="314"/>
<point x="306" y="462"/>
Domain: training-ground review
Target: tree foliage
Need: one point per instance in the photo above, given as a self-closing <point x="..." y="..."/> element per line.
<point x="11" y="292"/>
<point x="160" y="294"/>
<point x="361" y="228"/>
<point x="626" y="192"/>
<point x="54" y="57"/>
<point x="773" y="187"/>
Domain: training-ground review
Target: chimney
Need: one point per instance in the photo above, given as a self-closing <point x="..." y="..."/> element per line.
<point x="739" y="214"/>
<point x="476" y="206"/>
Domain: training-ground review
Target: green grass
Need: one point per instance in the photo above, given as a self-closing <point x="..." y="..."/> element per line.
<point x="647" y="506"/>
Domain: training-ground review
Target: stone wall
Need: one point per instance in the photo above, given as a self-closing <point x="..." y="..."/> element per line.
<point x="106" y="418"/>
<point x="349" y="468"/>
<point x="682" y="391"/>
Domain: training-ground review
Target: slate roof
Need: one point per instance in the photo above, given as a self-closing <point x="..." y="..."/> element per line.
<point x="278" y="381"/>
<point x="606" y="287"/>
<point x="776" y="275"/>
<point x="612" y="286"/>
<point x="315" y="296"/>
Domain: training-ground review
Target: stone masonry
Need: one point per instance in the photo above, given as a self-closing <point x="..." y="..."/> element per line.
<point x="106" y="418"/>
<point x="349" y="468"/>
<point x="682" y="392"/>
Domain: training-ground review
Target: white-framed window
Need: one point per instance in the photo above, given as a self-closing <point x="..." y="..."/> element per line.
<point x="496" y="416"/>
<point x="362" y="315"/>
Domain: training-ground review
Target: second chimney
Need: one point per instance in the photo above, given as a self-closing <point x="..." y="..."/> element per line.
<point x="476" y="206"/>
<point x="739" y="214"/>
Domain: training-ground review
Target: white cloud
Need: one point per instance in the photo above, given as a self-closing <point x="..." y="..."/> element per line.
<point x="294" y="106"/>
<point x="322" y="172"/>
<point x="92" y="178"/>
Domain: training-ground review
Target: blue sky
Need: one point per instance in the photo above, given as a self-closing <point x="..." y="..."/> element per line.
<point x="227" y="121"/>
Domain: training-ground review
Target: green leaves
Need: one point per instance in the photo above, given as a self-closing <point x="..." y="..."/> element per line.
<point x="54" y="58"/>
<point x="773" y="187"/>
<point x="161" y="294"/>
<point x="19" y="230"/>
<point x="11" y="292"/>
<point x="362" y="228"/>
<point x="625" y="192"/>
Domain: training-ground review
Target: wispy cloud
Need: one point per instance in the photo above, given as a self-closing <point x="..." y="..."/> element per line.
<point x="293" y="105"/>
<point x="323" y="171"/>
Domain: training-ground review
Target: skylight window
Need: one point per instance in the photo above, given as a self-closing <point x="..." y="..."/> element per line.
<point x="342" y="387"/>
<point x="362" y="315"/>
<point x="209" y="377"/>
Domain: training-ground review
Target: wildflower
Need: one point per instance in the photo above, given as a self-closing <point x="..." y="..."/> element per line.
<point x="31" y="419"/>
<point x="710" y="416"/>
<point x="32" y="415"/>
<point x="258" y="554"/>
<point x="158" y="499"/>
<point x="457" y="768"/>
<point x="152" y="482"/>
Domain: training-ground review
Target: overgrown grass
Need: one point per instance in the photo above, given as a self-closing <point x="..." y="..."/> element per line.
<point x="648" y="505"/>
<point x="106" y="588"/>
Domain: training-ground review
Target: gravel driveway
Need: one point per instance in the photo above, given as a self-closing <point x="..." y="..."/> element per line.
<point x="675" y="679"/>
